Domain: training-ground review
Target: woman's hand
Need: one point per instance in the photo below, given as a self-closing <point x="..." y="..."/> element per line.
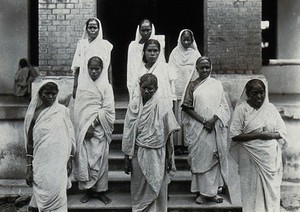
<point x="70" y="165"/>
<point x="90" y="132"/>
<point x="127" y="165"/>
<point x="209" y="125"/>
<point x="29" y="175"/>
<point x="168" y="165"/>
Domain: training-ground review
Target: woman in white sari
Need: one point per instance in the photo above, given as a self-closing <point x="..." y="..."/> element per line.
<point x="258" y="132"/>
<point x="49" y="137"/>
<point x="91" y="43"/>
<point x="205" y="117"/>
<point x="145" y="31"/>
<point x="146" y="139"/>
<point x="93" y="121"/>
<point x="164" y="73"/>
<point x="182" y="59"/>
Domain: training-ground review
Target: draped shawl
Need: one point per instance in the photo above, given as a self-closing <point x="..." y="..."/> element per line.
<point x="149" y="126"/>
<point x="53" y="137"/>
<point x="86" y="49"/>
<point x="94" y="99"/>
<point x="183" y="61"/>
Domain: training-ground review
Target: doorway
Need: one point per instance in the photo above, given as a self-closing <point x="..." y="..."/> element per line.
<point x="120" y="19"/>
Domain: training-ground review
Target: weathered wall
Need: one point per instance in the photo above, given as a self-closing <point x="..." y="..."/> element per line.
<point x="14" y="40"/>
<point x="232" y="35"/>
<point x="60" y="27"/>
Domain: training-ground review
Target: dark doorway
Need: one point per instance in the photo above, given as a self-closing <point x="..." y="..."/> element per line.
<point x="120" y="19"/>
<point x="33" y="32"/>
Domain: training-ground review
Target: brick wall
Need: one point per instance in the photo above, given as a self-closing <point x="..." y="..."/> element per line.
<point x="61" y="25"/>
<point x="232" y="35"/>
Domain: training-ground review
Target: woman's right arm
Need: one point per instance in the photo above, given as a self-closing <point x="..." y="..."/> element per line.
<point x="29" y="155"/>
<point x="193" y="114"/>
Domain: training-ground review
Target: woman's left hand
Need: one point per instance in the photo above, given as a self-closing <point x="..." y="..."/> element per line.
<point x="168" y="165"/>
<point x="70" y="166"/>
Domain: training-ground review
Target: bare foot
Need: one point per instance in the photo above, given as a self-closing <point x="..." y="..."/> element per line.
<point x="102" y="197"/>
<point x="216" y="199"/>
<point x="86" y="197"/>
<point x="200" y="200"/>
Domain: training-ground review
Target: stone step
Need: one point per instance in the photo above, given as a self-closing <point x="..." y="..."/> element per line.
<point x="118" y="126"/>
<point x="116" y="161"/>
<point x="122" y="202"/>
<point x="121" y="108"/>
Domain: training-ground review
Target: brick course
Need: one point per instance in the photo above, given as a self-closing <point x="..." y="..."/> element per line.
<point x="60" y="27"/>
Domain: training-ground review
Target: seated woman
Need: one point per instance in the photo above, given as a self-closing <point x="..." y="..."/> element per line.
<point x="94" y="111"/>
<point x="164" y="73"/>
<point x="205" y="117"/>
<point x="258" y="132"/>
<point x="50" y="144"/>
<point x="144" y="32"/>
<point x="146" y="140"/>
<point x="25" y="75"/>
<point x="182" y="59"/>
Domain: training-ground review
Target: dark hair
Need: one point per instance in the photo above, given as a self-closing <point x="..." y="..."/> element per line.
<point x="23" y="63"/>
<point x="50" y="86"/>
<point x="149" y="77"/>
<point x="204" y="58"/>
<point x="188" y="32"/>
<point x="146" y="44"/>
<point x="250" y="84"/>
<point x="145" y="20"/>
<point x="89" y="20"/>
<point x="96" y="58"/>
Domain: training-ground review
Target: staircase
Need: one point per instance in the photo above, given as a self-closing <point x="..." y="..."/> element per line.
<point x="181" y="200"/>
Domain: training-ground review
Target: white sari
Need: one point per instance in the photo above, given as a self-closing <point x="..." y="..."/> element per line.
<point x="146" y="130"/>
<point x="53" y="137"/>
<point x="260" y="162"/>
<point x="94" y="100"/>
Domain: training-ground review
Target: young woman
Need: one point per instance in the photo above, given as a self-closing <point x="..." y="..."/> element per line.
<point x="164" y="73"/>
<point x="148" y="149"/>
<point x="91" y="43"/>
<point x="94" y="115"/>
<point x="182" y="59"/>
<point x="50" y="145"/>
<point x="205" y="116"/>
<point x="258" y="132"/>
<point x="144" y="32"/>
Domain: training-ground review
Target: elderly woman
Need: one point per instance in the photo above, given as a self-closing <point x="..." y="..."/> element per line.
<point x="146" y="140"/>
<point x="49" y="137"/>
<point x="182" y="59"/>
<point x="91" y="43"/>
<point x="205" y="117"/>
<point x="93" y="121"/>
<point x="164" y="73"/>
<point x="144" y="32"/>
<point x="258" y="132"/>
<point x="23" y="78"/>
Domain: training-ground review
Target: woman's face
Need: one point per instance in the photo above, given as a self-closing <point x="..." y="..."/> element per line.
<point x="151" y="53"/>
<point x="48" y="96"/>
<point x="95" y="70"/>
<point x="92" y="29"/>
<point x="145" y="30"/>
<point x="147" y="90"/>
<point x="256" y="95"/>
<point x="204" y="68"/>
<point x="186" y="40"/>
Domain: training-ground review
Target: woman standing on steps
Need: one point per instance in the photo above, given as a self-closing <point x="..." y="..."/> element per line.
<point x="94" y="111"/>
<point x="205" y="117"/>
<point x="259" y="134"/>
<point x="149" y="152"/>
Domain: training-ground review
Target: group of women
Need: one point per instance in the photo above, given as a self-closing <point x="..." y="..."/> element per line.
<point x="164" y="98"/>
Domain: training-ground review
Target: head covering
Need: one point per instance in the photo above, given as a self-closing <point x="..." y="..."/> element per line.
<point x="35" y="103"/>
<point x="138" y="36"/>
<point x="100" y="34"/>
